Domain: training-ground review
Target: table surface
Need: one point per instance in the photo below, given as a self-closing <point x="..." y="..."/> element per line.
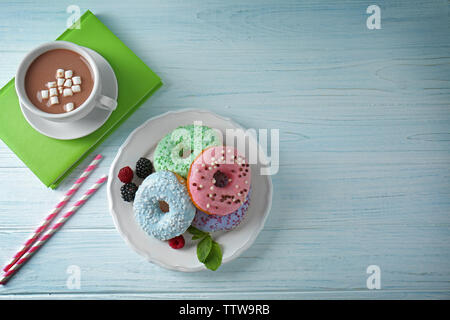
<point x="364" y="146"/>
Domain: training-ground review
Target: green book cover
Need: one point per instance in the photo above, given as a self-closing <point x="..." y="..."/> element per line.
<point x="51" y="160"/>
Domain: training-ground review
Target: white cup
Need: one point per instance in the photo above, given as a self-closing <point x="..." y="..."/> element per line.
<point x="95" y="99"/>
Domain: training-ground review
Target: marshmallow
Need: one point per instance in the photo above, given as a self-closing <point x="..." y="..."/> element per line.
<point x="51" y="84"/>
<point x="76" y="80"/>
<point x="69" y="106"/>
<point x="60" y="82"/>
<point x="68" y="83"/>
<point x="67" y="92"/>
<point x="76" y="88"/>
<point x="44" y="94"/>
<point x="68" y="74"/>
<point x="53" y="92"/>
<point x="60" y="73"/>
<point x="60" y="90"/>
<point x="54" y="100"/>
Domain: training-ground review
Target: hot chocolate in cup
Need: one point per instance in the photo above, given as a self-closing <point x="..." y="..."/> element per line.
<point x="60" y="81"/>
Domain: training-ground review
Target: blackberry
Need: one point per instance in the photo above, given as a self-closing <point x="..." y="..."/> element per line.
<point x="144" y="168"/>
<point x="128" y="191"/>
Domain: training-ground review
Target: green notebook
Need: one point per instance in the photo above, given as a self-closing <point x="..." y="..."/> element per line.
<point x="52" y="160"/>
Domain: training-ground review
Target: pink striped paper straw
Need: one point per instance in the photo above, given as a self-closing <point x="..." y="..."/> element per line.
<point x="59" y="223"/>
<point x="54" y="212"/>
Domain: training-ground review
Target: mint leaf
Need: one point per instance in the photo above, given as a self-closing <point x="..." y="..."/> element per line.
<point x="196" y="237"/>
<point x="214" y="259"/>
<point x="204" y="248"/>
<point x="208" y="251"/>
<point x="196" y="232"/>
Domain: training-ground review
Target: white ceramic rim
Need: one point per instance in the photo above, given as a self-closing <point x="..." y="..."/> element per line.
<point x="237" y="253"/>
<point x="32" y="55"/>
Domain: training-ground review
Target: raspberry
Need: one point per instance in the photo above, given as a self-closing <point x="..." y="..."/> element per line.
<point x="177" y="242"/>
<point x="125" y="175"/>
<point x="128" y="191"/>
<point x="144" y="168"/>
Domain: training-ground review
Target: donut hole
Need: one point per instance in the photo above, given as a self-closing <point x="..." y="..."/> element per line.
<point x="220" y="179"/>
<point x="164" y="206"/>
<point x="184" y="153"/>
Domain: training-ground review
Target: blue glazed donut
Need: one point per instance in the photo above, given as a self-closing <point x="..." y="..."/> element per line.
<point x="159" y="192"/>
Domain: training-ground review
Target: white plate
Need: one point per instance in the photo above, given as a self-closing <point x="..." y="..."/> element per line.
<point x="141" y="143"/>
<point x="87" y="125"/>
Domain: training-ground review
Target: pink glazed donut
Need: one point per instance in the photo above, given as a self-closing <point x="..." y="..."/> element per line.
<point x="219" y="180"/>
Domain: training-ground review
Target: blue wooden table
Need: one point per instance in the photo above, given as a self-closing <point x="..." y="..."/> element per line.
<point x="364" y="119"/>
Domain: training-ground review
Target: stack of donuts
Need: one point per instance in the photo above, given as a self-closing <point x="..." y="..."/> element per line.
<point x="197" y="181"/>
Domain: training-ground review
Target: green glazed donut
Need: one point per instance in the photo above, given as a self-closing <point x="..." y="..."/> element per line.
<point x="178" y="149"/>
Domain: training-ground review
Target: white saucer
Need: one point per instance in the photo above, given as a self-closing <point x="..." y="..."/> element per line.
<point x="87" y="125"/>
<point x="141" y="143"/>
